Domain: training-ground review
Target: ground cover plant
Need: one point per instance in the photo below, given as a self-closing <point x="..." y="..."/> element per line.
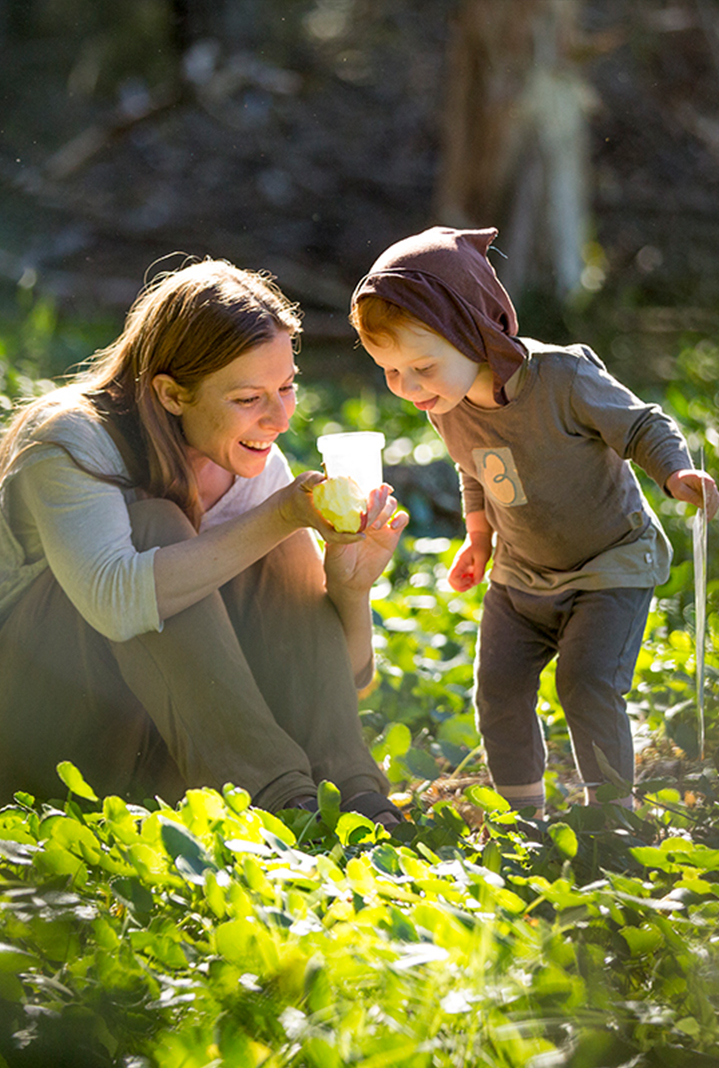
<point x="216" y="934"/>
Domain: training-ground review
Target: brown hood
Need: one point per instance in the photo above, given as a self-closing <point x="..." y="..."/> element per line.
<point x="443" y="278"/>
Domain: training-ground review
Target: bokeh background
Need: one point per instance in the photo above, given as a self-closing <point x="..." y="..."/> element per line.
<point x="303" y="136"/>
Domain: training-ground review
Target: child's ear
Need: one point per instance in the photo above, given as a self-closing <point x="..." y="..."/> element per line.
<point x="171" y="396"/>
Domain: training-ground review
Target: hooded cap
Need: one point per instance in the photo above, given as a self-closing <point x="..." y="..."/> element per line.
<point x="443" y="278"/>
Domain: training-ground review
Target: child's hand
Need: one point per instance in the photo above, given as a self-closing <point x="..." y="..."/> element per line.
<point x="687" y="486"/>
<point x="471" y="561"/>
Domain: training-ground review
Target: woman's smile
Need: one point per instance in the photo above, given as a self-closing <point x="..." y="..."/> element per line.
<point x="237" y="413"/>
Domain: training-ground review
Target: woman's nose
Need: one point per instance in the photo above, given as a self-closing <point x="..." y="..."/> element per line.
<point x="276" y="414"/>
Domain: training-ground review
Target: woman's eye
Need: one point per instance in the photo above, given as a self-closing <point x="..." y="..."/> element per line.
<point x="292" y="388"/>
<point x="244" y="402"/>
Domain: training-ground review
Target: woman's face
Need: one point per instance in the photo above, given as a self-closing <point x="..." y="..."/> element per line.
<point x="237" y="413"/>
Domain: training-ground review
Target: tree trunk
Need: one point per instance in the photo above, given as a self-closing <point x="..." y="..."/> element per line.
<point x="515" y="151"/>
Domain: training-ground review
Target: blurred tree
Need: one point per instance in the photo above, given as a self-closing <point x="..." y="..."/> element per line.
<point x="515" y="137"/>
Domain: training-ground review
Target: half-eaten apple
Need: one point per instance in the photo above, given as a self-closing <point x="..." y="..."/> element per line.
<point x="341" y="502"/>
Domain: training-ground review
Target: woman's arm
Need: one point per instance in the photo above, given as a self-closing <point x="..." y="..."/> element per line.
<point x="84" y="528"/>
<point x="352" y="570"/>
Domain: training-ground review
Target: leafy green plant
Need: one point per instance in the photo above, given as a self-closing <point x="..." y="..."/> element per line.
<point x="216" y="934"/>
<point x="208" y="934"/>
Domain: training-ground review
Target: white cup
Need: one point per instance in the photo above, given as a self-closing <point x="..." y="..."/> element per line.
<point x="358" y="455"/>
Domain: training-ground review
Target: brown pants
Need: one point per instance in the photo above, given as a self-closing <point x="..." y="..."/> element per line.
<point x="252" y="686"/>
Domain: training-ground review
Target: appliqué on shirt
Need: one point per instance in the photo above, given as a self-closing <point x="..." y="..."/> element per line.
<point x="497" y="472"/>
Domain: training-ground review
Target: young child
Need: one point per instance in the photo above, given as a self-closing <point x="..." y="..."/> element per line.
<point x="542" y="436"/>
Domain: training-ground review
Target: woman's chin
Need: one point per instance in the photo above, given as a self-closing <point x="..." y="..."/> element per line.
<point x="250" y="465"/>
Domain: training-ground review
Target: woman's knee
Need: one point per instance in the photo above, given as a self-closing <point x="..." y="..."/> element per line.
<point x="158" y="521"/>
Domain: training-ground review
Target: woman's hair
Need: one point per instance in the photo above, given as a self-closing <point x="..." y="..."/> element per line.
<point x="377" y="320"/>
<point x="187" y="324"/>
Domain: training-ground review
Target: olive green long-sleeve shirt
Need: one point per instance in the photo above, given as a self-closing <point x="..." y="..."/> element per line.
<point x="552" y="471"/>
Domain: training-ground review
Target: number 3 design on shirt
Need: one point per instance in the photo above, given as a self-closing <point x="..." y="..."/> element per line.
<point x="497" y="472"/>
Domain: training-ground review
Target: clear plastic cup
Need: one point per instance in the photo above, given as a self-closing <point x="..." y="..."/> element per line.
<point x="358" y="455"/>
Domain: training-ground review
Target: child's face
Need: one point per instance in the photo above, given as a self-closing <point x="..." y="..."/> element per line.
<point x="422" y="367"/>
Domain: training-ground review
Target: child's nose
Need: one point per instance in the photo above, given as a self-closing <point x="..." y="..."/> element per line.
<point x="410" y="384"/>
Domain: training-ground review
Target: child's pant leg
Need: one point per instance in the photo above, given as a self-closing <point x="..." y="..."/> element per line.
<point x="598" y="648"/>
<point x="597" y="634"/>
<point x="512" y="650"/>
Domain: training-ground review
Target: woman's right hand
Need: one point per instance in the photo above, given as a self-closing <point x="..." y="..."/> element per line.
<point x="297" y="509"/>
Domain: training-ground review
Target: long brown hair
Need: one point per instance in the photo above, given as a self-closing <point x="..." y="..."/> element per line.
<point x="186" y="323"/>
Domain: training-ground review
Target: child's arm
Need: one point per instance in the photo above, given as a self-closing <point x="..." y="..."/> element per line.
<point x="686" y="485"/>
<point x="471" y="561"/>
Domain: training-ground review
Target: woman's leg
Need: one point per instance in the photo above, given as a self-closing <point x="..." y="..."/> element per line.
<point x="155" y="714"/>
<point x="598" y="650"/>
<point x="294" y="643"/>
<point x="194" y="680"/>
<point x="62" y="698"/>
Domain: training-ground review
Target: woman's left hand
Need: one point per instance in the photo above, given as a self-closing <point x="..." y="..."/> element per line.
<point x="357" y="566"/>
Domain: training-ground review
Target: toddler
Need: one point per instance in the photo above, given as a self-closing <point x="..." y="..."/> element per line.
<point x="542" y="436"/>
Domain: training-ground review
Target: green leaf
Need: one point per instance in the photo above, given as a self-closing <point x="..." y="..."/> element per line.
<point x="609" y="773"/>
<point x="487" y="798"/>
<point x="420" y="765"/>
<point x="133" y="894"/>
<point x="642" y="940"/>
<point x="236" y="798"/>
<point x="189" y="856"/>
<point x="609" y="792"/>
<point x="17" y="852"/>
<point x="564" y="839"/>
<point x="393" y="742"/>
<point x="74" y="781"/>
<point x="15" y="960"/>
<point x="328" y="798"/>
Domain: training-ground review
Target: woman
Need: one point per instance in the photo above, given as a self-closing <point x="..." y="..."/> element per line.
<point x="166" y="620"/>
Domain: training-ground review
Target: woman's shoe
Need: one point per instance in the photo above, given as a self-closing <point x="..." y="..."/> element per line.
<point x="309" y="804"/>
<point x="374" y="806"/>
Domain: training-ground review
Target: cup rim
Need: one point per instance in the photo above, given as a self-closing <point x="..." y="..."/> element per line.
<point x="354" y="434"/>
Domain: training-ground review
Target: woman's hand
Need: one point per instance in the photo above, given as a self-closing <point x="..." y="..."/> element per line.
<point x="298" y="510"/>
<point x="355" y="562"/>
<point x="687" y="486"/>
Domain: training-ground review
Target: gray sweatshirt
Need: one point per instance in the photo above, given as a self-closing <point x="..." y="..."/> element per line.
<point x="551" y="469"/>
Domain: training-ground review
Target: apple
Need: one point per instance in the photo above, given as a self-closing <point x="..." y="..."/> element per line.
<point x="341" y="502"/>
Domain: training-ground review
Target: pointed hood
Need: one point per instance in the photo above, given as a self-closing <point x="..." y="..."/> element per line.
<point x="443" y="278"/>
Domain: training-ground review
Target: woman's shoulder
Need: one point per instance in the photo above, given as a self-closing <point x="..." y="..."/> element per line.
<point x="66" y="419"/>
